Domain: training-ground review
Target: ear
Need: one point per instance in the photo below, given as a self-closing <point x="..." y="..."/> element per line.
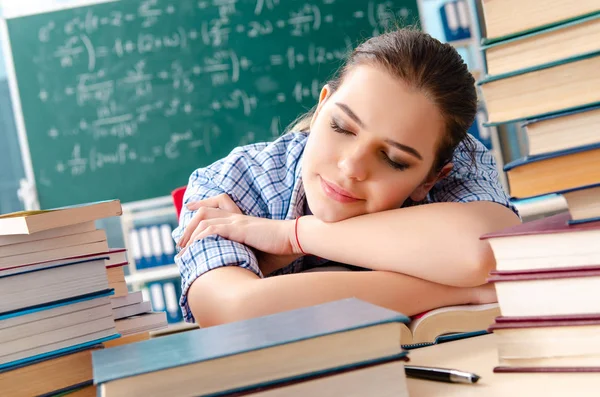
<point x="423" y="189"/>
<point x="323" y="97"/>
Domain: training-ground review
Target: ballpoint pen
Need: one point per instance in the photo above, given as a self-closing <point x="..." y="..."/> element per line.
<point x="440" y="374"/>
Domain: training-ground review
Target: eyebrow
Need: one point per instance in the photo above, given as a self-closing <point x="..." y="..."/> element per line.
<point x="395" y="144"/>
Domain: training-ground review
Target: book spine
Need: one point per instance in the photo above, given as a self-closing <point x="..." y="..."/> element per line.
<point x="168" y="245"/>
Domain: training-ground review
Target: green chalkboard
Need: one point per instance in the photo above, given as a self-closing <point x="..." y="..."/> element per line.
<point x="125" y="99"/>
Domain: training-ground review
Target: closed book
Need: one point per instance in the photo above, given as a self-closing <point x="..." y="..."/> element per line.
<point x="542" y="89"/>
<point x="577" y="37"/>
<point x="264" y="351"/>
<point x="563" y="130"/>
<point x="115" y="257"/>
<point x="29" y="222"/>
<point x="561" y="343"/>
<point x="448" y="323"/>
<point x="49" y="376"/>
<point x="144" y="322"/>
<point x="129" y="299"/>
<point x="546" y="244"/>
<point x="29" y="335"/>
<point x="583" y="203"/>
<point x="509" y="18"/>
<point x="47" y="264"/>
<point x="40" y="287"/>
<point x="554" y="172"/>
<point x="124" y="340"/>
<point x="382" y="379"/>
<point x="555" y="293"/>
<point x="52" y="243"/>
<point x="132" y="310"/>
<point x="48" y="234"/>
<point x="54" y="254"/>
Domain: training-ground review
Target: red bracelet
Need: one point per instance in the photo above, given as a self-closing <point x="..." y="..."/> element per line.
<point x="297" y="240"/>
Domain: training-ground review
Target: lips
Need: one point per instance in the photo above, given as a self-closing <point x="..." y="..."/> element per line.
<point x="337" y="193"/>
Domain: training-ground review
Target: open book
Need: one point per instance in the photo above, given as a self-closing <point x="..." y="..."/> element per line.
<point x="448" y="323"/>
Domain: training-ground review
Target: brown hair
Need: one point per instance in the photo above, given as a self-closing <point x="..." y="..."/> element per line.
<point x="426" y="64"/>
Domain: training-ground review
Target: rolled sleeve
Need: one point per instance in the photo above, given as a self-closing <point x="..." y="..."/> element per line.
<point x="210" y="252"/>
<point x="472" y="182"/>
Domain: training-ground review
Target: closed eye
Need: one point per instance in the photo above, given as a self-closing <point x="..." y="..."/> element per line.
<point x="336" y="127"/>
<point x="393" y="164"/>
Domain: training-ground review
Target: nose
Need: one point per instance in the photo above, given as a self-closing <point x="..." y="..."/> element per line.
<point x="354" y="164"/>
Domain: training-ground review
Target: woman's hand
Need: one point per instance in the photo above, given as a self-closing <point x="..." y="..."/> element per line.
<point x="219" y="215"/>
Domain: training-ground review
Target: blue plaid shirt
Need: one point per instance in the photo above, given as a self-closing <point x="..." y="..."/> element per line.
<point x="264" y="180"/>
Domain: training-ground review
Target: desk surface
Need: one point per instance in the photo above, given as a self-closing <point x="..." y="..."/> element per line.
<point x="479" y="355"/>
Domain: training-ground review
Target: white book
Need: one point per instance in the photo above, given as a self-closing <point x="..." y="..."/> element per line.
<point x="51" y="285"/>
<point x="53" y="254"/>
<point x="52" y="233"/>
<point x="132" y="310"/>
<point x="143" y="322"/>
<point x="52" y="243"/>
<point x="129" y="299"/>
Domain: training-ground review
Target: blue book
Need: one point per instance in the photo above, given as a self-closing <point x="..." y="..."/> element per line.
<point x="583" y="203"/>
<point x="256" y="352"/>
<point x="59" y="328"/>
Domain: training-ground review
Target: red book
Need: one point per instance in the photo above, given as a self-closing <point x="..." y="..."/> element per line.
<point x="546" y="244"/>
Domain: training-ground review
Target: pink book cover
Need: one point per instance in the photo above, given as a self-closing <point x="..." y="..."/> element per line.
<point x="552" y="224"/>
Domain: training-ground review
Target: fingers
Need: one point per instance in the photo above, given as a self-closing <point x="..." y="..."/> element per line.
<point x="205" y="228"/>
<point x="222" y="201"/>
<point x="202" y="214"/>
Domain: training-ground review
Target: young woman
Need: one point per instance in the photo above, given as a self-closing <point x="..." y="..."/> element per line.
<point x="347" y="186"/>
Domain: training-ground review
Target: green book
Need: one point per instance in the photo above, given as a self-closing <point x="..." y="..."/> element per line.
<point x="257" y="352"/>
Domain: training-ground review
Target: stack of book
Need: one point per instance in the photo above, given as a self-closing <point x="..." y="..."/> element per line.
<point x="544" y="71"/>
<point x="58" y="282"/>
<point x="342" y="348"/>
<point x="547" y="280"/>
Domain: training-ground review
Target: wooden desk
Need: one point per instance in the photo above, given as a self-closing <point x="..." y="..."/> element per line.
<point x="479" y="355"/>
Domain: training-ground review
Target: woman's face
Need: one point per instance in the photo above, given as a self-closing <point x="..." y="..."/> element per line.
<point x="372" y="145"/>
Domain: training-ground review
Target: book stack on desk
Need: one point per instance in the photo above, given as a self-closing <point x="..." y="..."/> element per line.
<point x="341" y="348"/>
<point x="547" y="280"/>
<point x="543" y="71"/>
<point x="55" y="298"/>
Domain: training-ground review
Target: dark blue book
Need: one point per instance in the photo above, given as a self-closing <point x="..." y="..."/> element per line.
<point x="253" y="353"/>
<point x="583" y="203"/>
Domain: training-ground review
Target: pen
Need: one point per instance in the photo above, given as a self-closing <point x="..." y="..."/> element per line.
<point x="440" y="374"/>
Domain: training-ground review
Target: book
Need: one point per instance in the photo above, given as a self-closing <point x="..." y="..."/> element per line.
<point x="448" y="323"/>
<point x="553" y="293"/>
<point x="124" y="340"/>
<point x="48" y="234"/>
<point x="53" y="254"/>
<point x="547" y="244"/>
<point x="29" y="335"/>
<point x="584" y="204"/>
<point x="563" y="130"/>
<point x="116" y="279"/>
<point x="386" y="379"/>
<point x="509" y="18"/>
<point x="141" y="323"/>
<point x="133" y="310"/>
<point x="29" y="267"/>
<point x="578" y="37"/>
<point x="52" y="243"/>
<point x="116" y="257"/>
<point x="265" y="350"/>
<point x="84" y="391"/>
<point x="50" y="375"/>
<point x="129" y="299"/>
<point x="562" y="344"/>
<point x="542" y="89"/>
<point x="554" y="172"/>
<point x="56" y="284"/>
<point x="28" y="222"/>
